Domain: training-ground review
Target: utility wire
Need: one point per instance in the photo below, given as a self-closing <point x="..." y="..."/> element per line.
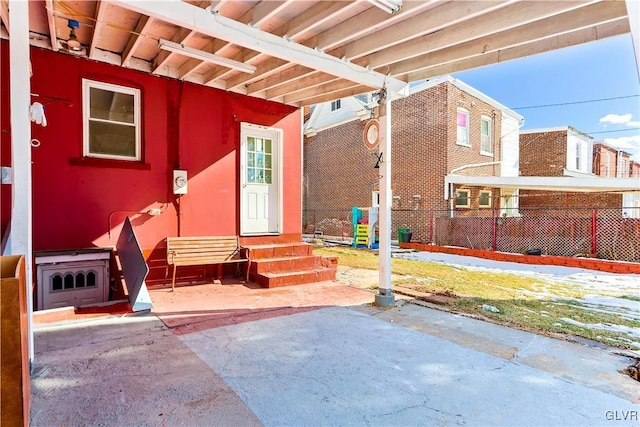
<point x="616" y="130"/>
<point x="575" y="102"/>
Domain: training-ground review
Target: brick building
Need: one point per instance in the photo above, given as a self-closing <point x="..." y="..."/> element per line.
<point x="444" y="126"/>
<point x="610" y="162"/>
<point x="565" y="152"/>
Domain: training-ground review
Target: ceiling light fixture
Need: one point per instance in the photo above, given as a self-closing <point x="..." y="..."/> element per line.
<point x="389" y="6"/>
<point x="206" y="56"/>
<point x="73" y="42"/>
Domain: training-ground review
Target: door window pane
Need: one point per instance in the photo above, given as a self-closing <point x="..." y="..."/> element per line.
<point x="259" y="160"/>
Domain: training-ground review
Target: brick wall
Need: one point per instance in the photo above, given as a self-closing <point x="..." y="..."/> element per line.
<point x="339" y="173"/>
<point x="459" y="155"/>
<point x="538" y="199"/>
<point x="543" y="153"/>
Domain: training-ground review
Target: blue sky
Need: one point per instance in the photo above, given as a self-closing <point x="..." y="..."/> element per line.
<point x="597" y="70"/>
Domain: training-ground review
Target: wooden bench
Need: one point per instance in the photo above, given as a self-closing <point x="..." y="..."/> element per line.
<point x="203" y="251"/>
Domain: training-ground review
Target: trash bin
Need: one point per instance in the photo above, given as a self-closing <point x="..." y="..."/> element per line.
<point x="404" y="233"/>
<point x="406" y="236"/>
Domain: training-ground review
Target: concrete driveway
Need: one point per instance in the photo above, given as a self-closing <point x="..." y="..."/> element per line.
<point x="317" y="355"/>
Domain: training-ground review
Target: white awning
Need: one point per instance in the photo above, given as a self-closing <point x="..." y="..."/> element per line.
<point x="545" y="183"/>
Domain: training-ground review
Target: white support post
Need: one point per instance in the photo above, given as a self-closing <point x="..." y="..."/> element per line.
<point x="385" y="297"/>
<point x="20" y="238"/>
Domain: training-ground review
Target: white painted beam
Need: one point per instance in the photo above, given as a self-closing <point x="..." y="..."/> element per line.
<point x="592" y="184"/>
<point x="215" y="25"/>
<point x="316" y="15"/>
<point x="633" y="11"/>
<point x="21" y="235"/>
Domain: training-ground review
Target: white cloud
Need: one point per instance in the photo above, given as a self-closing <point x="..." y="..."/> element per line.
<point x="630" y="144"/>
<point x="616" y="119"/>
<point x="633" y="124"/>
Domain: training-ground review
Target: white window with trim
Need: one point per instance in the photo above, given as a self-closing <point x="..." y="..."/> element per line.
<point x="486" y="141"/>
<point x="463" y="199"/>
<point x="335" y="105"/>
<point x="578" y="155"/>
<point x="484" y="199"/>
<point x="623" y="168"/>
<point x="111" y="121"/>
<point x="462" y="127"/>
<point x="607" y="163"/>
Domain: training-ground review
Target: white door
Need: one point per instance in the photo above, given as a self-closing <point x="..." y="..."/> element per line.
<point x="260" y="180"/>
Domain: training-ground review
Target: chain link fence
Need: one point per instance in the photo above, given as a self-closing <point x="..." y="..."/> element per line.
<point x="606" y="233"/>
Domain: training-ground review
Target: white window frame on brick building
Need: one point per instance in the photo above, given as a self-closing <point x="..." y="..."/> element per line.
<point x="466" y="198"/>
<point x="482" y="196"/>
<point x="486" y="140"/>
<point x="113" y="119"/>
<point x="578" y="155"/>
<point x="607" y="162"/>
<point x="623" y="168"/>
<point x="462" y="131"/>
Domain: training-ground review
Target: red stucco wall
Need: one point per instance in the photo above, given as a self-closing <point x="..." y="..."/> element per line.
<point x="77" y="202"/>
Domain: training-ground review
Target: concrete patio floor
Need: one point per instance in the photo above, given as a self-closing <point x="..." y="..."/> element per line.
<point x="320" y="354"/>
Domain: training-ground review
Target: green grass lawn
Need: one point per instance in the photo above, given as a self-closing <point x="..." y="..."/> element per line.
<point x="524" y="302"/>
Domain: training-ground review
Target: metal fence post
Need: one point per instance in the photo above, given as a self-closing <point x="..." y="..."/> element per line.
<point x="430" y="226"/>
<point x="594" y="231"/>
<point x="494" y="243"/>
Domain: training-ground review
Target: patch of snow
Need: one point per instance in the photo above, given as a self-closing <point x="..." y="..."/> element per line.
<point x="592" y="290"/>
<point x="634" y="332"/>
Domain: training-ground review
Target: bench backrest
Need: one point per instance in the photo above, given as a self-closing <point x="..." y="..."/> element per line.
<point x="202" y="250"/>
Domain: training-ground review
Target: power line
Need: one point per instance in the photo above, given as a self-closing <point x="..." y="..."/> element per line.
<point x="575" y="102"/>
<point x="616" y="130"/>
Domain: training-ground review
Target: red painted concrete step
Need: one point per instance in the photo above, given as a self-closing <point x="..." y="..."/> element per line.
<point x="279" y="250"/>
<point x="292" y="263"/>
<point x="274" y="280"/>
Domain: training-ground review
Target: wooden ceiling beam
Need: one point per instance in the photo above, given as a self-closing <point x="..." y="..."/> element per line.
<point x="368" y="20"/>
<point x="306" y="21"/>
<point x="513" y="15"/>
<point x="51" y="21"/>
<point x="324" y="97"/>
<point x="4" y="13"/>
<point x="97" y="27"/>
<point x="434" y="20"/>
<point x="313" y="89"/>
<point x="588" y="16"/>
<point x="255" y="16"/>
<point x="138" y="34"/>
<point x="309" y="82"/>
<point x="585" y="35"/>
<point x="285" y="78"/>
<point x="428" y="22"/>
<point x="265" y="10"/>
<point x="253" y="38"/>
